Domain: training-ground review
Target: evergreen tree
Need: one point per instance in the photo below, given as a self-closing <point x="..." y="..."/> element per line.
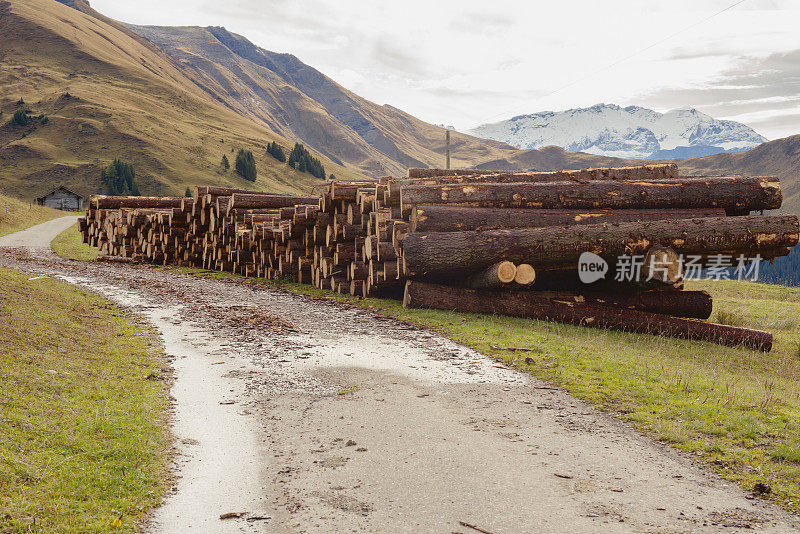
<point x="246" y="165"/>
<point x="188" y="192"/>
<point x="302" y="160"/>
<point x="225" y="163"/>
<point x="331" y="177"/>
<point x="21" y="117"/>
<point x="120" y="179"/>
<point x="276" y="151"/>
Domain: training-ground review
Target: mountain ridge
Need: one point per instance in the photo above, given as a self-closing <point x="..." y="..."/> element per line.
<point x="628" y="132"/>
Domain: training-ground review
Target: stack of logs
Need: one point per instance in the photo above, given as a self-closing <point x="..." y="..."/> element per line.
<point x="474" y="241"/>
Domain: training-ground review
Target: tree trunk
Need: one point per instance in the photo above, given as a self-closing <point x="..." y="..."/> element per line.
<point x="525" y="275"/>
<point x="265" y="201"/>
<point x="493" y="277"/>
<point x="733" y="193"/>
<point x="528" y="305"/>
<point x="433" y="218"/>
<point x="105" y="202"/>
<point x="553" y="247"/>
<point x="639" y="172"/>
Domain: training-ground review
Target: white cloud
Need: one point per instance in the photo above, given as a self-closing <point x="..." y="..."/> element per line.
<point x="463" y="62"/>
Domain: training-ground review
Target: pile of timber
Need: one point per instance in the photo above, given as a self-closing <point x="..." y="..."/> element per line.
<point x="476" y="241"/>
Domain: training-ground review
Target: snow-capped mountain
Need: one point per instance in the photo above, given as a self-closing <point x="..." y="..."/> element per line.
<point x="630" y="132"/>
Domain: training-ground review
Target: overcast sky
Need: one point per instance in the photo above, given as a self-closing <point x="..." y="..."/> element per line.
<point x="466" y="62"/>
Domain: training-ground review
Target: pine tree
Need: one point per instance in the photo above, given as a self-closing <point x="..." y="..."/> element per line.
<point x="120" y="179"/>
<point x="225" y="163"/>
<point x="188" y="192"/>
<point x="21" y="117"/>
<point x="246" y="165"/>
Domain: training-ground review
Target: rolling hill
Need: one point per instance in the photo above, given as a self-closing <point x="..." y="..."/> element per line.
<point x="107" y="92"/>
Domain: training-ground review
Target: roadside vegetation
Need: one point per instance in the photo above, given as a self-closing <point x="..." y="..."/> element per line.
<point x="17" y="214"/>
<point x="69" y="245"/>
<point x="84" y="398"/>
<point x="733" y="410"/>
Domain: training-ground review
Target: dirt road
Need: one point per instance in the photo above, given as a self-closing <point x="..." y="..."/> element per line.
<point x="307" y="416"/>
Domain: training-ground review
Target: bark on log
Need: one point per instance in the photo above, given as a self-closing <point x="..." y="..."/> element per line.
<point x="494" y="276"/>
<point x="690" y="304"/>
<point x="442" y="218"/>
<point x="106" y="202"/>
<point x="528" y="305"/>
<point x="637" y="172"/>
<point x="265" y="201"/>
<point x="553" y="247"/>
<point x="732" y="193"/>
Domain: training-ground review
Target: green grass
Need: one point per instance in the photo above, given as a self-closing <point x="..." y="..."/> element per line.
<point x="82" y="439"/>
<point x="69" y="245"/>
<point x="17" y="215"/>
<point x="733" y="410"/>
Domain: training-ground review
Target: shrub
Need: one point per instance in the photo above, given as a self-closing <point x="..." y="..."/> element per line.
<point x="21" y="117"/>
<point x="120" y="178"/>
<point x="246" y="165"/>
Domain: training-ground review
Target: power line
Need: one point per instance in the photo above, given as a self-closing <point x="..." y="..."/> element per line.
<point x="623" y="59"/>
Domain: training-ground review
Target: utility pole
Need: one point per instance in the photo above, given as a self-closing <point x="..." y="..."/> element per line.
<point x="447" y="140"/>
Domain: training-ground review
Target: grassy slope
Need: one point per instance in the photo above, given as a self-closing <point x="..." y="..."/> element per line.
<point x="83" y="447"/>
<point x="17" y="215"/>
<point x="69" y="244"/>
<point x="129" y="100"/>
<point x="733" y="410"/>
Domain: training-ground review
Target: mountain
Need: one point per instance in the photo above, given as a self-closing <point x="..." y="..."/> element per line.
<point x="299" y="102"/>
<point x="631" y="132"/>
<point x="107" y="92"/>
<point x="780" y="158"/>
<point x="174" y="100"/>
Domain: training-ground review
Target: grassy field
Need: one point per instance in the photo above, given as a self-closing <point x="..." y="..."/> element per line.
<point x="82" y="439"/>
<point x="17" y="214"/>
<point x="733" y="410"/>
<point x="69" y="245"/>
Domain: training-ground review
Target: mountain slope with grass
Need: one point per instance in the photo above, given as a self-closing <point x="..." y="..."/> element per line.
<point x="780" y="158"/>
<point x="96" y="91"/>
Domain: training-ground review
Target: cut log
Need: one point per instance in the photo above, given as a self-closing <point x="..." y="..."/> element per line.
<point x="525" y="274"/>
<point x="263" y="201"/>
<point x="106" y="202"/>
<point x="442" y="218"/>
<point x="738" y="194"/>
<point x="637" y="172"/>
<point x="662" y="264"/>
<point x="690" y="304"/>
<point x="554" y="247"/>
<point x="528" y="305"/>
<point x="493" y="277"/>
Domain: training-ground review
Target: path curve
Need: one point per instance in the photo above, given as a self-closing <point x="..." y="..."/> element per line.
<point x="38" y="236"/>
<point x="310" y="416"/>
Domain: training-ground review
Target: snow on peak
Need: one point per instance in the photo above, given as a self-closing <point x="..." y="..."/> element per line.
<point x="629" y="132"/>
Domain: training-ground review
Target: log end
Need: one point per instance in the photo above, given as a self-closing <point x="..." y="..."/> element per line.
<point x="525" y="274"/>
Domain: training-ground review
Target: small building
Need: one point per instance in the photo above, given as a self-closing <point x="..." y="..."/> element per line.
<point x="61" y="198"/>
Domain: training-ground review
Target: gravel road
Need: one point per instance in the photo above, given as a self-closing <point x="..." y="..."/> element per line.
<point x="300" y="415"/>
